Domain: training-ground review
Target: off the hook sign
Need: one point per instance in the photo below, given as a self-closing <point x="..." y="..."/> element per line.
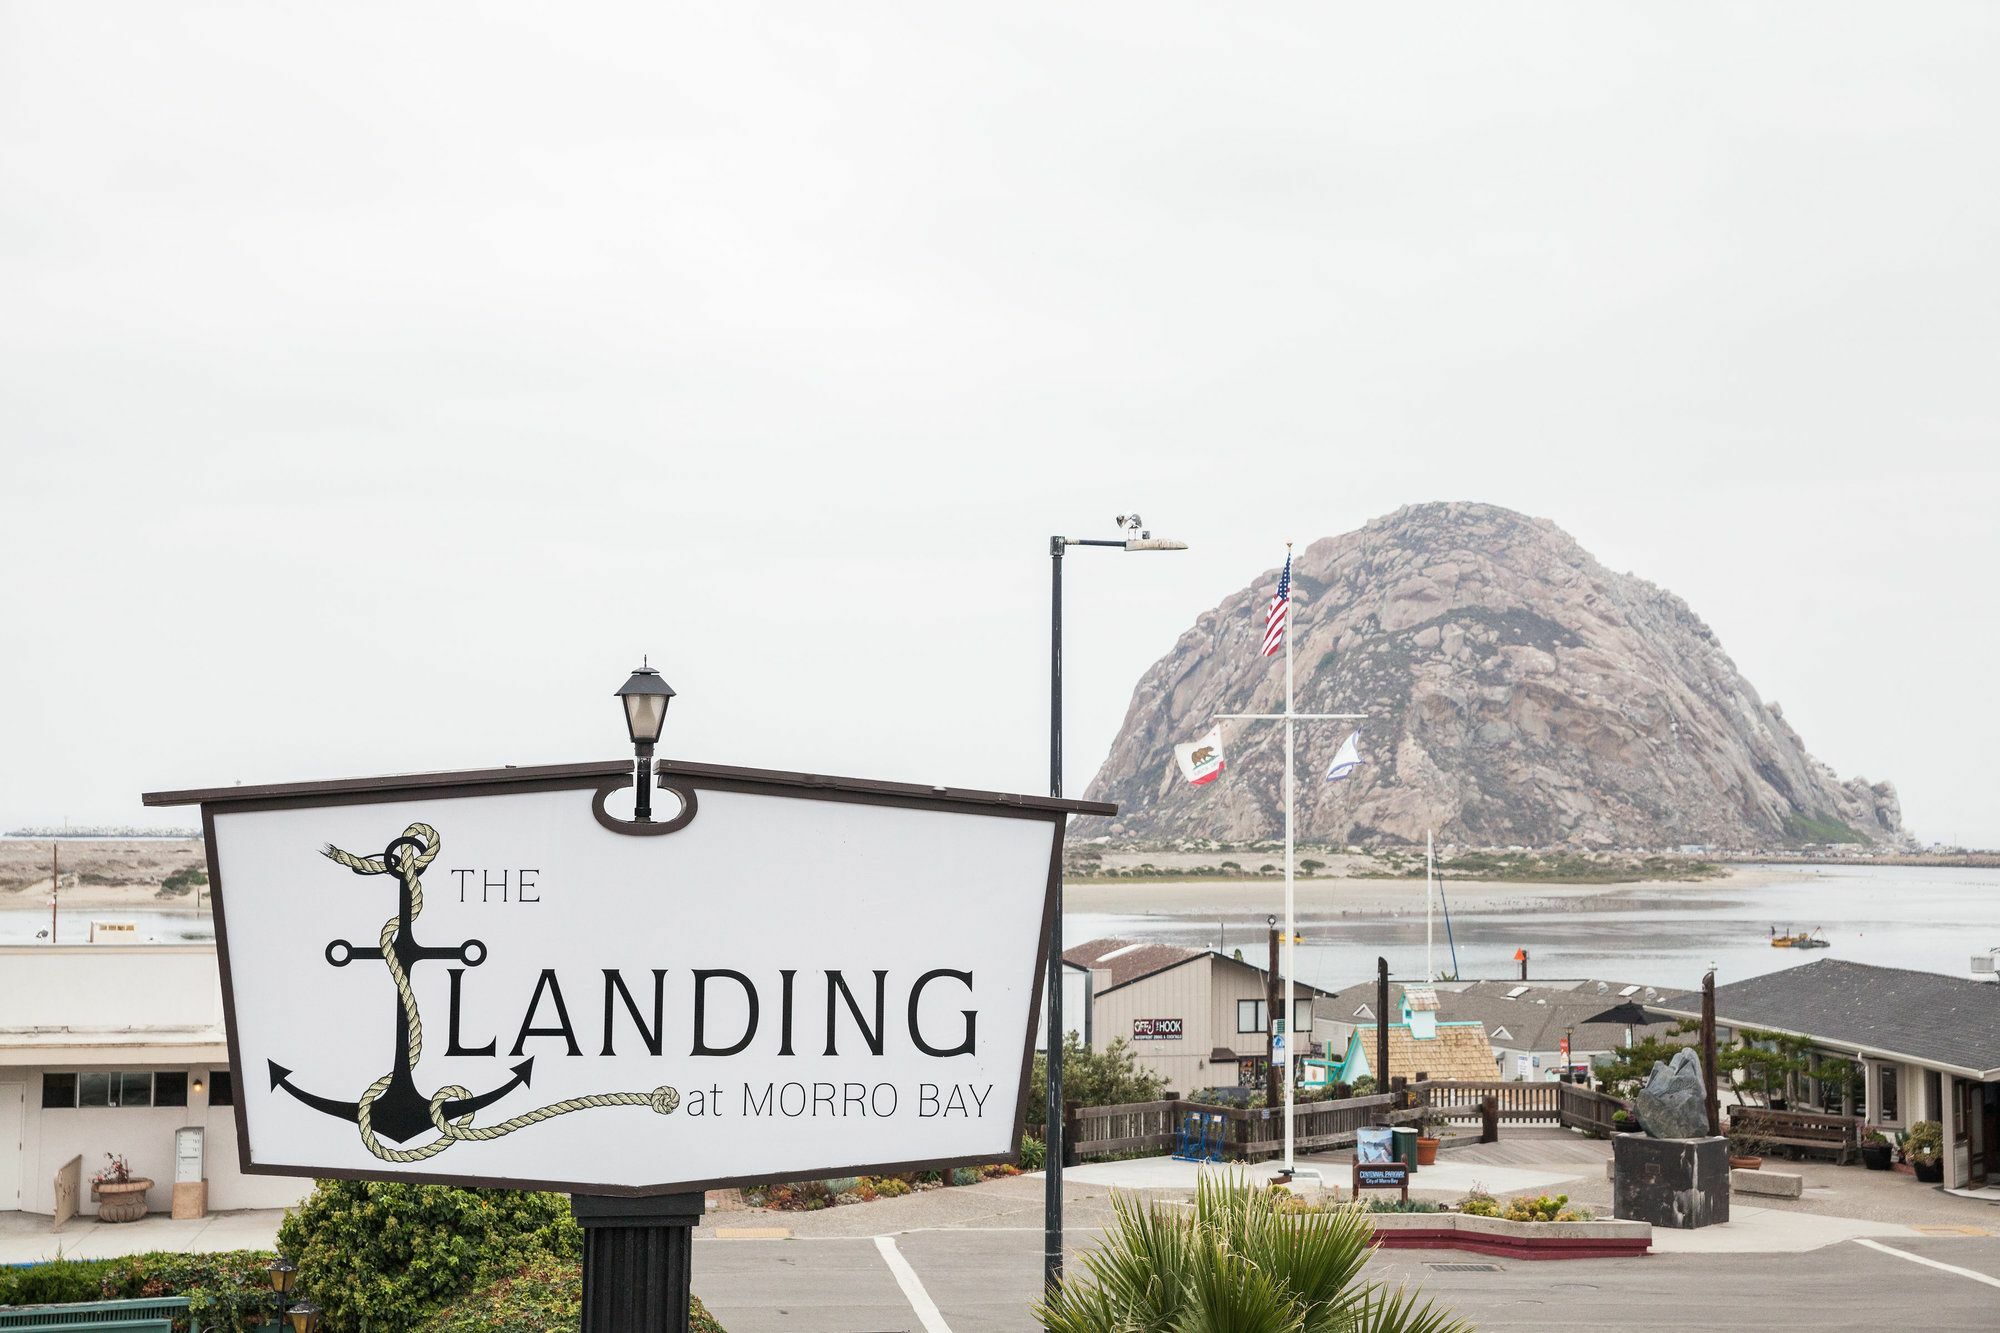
<point x="391" y="1107"/>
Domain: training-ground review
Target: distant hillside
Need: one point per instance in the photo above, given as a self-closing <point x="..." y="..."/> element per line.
<point x="1517" y="692"/>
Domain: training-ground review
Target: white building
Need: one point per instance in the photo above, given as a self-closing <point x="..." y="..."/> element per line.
<point x="111" y="1049"/>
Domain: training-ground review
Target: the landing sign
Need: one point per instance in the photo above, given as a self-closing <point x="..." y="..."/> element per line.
<point x="484" y="978"/>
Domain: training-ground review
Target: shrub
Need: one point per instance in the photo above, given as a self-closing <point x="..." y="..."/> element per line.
<point x="1924" y="1143"/>
<point x="543" y="1295"/>
<point x="229" y="1292"/>
<point x="1364" y="1086"/>
<point x="54" y="1282"/>
<point x="1034" y="1153"/>
<point x="1542" y="1208"/>
<point x="1110" y="1077"/>
<point x="1237" y="1260"/>
<point x="392" y="1253"/>
<point x="1478" y="1203"/>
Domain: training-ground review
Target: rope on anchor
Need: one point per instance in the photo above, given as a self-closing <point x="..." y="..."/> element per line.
<point x="411" y="864"/>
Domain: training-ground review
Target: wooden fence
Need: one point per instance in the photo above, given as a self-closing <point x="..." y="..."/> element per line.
<point x="1248" y="1134"/>
<point x="1142" y="1128"/>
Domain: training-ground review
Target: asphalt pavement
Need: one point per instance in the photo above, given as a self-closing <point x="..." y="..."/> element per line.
<point x="969" y="1280"/>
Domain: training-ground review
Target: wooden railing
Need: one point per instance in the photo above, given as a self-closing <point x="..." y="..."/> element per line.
<point x="1578" y="1107"/>
<point x="1520" y="1103"/>
<point x="1110" y="1131"/>
<point x="1151" y="1127"/>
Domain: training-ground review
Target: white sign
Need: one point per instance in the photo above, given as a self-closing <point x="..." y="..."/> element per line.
<point x="497" y="987"/>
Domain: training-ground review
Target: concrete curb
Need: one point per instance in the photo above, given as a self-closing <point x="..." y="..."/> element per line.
<point x="1608" y="1239"/>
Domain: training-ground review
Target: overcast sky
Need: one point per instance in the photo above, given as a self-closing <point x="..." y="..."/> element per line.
<point x="378" y="382"/>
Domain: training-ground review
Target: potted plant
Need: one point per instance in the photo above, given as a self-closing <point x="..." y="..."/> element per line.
<point x="1923" y="1149"/>
<point x="1746" y="1151"/>
<point x="120" y="1195"/>
<point x="1427" y="1141"/>
<point x="1624" y="1122"/>
<point x="1875" y="1150"/>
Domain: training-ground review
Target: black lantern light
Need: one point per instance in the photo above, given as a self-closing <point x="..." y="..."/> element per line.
<point x="645" y="696"/>
<point x="303" y="1318"/>
<point x="283" y="1272"/>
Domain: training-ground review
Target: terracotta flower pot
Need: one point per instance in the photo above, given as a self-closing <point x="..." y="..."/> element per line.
<point x="121" y="1202"/>
<point x="1427" y="1151"/>
<point x="1745" y="1163"/>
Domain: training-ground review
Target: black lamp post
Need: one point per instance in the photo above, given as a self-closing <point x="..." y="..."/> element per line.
<point x="303" y="1317"/>
<point x="283" y="1274"/>
<point x="1136" y="539"/>
<point x="645" y="696"/>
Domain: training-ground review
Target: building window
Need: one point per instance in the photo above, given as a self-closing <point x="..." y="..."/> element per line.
<point x="1249" y="1015"/>
<point x="221" y="1088"/>
<point x="1887" y="1081"/>
<point x="95" y="1088"/>
<point x="1302" y="1016"/>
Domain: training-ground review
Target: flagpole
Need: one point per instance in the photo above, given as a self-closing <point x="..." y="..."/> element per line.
<point x="1430" y="929"/>
<point x="1291" y="974"/>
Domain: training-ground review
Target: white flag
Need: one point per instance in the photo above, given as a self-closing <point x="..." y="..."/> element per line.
<point x="1201" y="761"/>
<point x="1346" y="759"/>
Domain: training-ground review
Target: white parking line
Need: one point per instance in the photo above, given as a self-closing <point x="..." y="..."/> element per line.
<point x="1929" y="1263"/>
<point x="912" y="1285"/>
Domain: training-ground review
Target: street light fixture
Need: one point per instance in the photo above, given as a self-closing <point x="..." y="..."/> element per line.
<point x="283" y="1272"/>
<point x="303" y="1317"/>
<point x="645" y="696"/>
<point x="1136" y="538"/>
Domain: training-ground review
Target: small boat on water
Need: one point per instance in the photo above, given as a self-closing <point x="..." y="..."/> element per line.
<point x="1814" y="939"/>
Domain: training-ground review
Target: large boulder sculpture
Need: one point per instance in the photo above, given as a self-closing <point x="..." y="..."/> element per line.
<point x="1676" y="1174"/>
<point x="1673" y="1104"/>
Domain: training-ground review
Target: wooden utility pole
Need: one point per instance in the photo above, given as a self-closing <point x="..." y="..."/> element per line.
<point x="1271" y="1093"/>
<point x="1381" y="1025"/>
<point x="1708" y="1071"/>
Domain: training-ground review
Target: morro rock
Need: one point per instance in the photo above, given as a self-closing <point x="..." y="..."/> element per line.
<point x="1517" y="693"/>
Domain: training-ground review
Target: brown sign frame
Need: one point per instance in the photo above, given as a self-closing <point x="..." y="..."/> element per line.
<point x="686" y="780"/>
<point x="1401" y="1170"/>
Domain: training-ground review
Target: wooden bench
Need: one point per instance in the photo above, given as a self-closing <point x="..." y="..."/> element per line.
<point x="1804" y="1131"/>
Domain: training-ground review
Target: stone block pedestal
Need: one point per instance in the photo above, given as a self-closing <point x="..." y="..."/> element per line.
<point x="1679" y="1184"/>
<point x="190" y="1198"/>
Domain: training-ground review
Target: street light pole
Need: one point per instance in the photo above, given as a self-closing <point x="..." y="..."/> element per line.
<point x="1052" y="1124"/>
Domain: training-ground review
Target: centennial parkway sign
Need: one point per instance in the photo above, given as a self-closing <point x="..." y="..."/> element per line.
<point x="486" y="978"/>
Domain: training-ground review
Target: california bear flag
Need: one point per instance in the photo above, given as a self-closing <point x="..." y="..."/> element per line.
<point x="1201" y="761"/>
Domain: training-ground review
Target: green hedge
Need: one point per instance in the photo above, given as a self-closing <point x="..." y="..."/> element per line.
<point x="543" y="1296"/>
<point x="227" y="1292"/>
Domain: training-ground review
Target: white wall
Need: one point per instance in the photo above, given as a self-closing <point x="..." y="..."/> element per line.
<point x="127" y="987"/>
<point x="145" y="1136"/>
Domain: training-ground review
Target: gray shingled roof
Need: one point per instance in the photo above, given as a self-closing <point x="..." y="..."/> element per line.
<point x="1891" y="1011"/>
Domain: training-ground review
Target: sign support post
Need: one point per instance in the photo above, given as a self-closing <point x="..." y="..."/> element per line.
<point x="637" y="1261"/>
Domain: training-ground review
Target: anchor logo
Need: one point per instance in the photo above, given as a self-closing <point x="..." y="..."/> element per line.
<point x="392" y="1107"/>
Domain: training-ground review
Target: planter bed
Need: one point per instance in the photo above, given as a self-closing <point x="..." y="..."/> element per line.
<point x="1607" y="1239"/>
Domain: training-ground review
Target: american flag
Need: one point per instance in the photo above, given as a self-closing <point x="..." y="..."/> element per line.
<point x="1281" y="605"/>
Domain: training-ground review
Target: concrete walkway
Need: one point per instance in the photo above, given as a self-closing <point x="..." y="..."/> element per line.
<point x="25" y="1238"/>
